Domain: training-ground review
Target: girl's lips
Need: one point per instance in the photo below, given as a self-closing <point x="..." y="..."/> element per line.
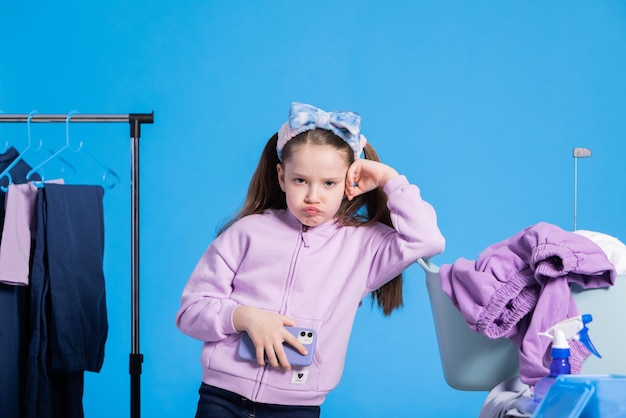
<point x="311" y="210"/>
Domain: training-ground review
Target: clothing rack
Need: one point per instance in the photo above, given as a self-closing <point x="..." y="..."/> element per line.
<point x="135" y="120"/>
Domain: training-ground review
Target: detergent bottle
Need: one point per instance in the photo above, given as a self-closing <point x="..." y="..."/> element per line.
<point x="570" y="329"/>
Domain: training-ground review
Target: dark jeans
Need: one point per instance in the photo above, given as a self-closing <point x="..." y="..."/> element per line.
<point x="219" y="403"/>
<point x="68" y="315"/>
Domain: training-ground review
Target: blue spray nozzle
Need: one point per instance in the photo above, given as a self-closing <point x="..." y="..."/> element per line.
<point x="584" y="335"/>
<point x="572" y="328"/>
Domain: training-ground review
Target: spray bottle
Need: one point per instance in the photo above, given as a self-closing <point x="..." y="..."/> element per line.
<point x="570" y="329"/>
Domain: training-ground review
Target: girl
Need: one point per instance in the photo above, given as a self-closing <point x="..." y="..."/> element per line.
<point x="319" y="230"/>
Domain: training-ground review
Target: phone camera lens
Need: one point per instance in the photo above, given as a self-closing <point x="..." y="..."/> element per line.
<point x="302" y="333"/>
<point x="310" y="334"/>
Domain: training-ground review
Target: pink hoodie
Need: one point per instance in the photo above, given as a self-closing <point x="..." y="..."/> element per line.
<point x="318" y="277"/>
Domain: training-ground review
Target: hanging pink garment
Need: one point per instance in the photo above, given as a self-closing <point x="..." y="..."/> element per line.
<point x="19" y="230"/>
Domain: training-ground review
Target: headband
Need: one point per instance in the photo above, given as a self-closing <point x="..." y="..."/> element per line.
<point x="303" y="117"/>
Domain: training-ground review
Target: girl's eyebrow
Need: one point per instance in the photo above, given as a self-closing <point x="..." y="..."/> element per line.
<point x="296" y="174"/>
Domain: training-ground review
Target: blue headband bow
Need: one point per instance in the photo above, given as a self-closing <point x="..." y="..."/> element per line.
<point x="304" y="117"/>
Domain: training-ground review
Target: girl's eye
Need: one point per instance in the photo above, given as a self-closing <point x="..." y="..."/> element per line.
<point x="299" y="181"/>
<point x="330" y="183"/>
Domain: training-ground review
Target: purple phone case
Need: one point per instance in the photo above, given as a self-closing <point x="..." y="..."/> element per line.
<point x="306" y="336"/>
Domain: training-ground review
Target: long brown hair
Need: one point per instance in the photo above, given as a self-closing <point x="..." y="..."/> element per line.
<point x="264" y="192"/>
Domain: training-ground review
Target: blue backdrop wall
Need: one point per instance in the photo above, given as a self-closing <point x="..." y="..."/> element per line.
<point x="479" y="103"/>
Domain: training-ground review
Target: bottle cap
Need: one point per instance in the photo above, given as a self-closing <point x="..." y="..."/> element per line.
<point x="559" y="340"/>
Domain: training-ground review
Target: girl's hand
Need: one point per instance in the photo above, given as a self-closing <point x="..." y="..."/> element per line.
<point x="365" y="175"/>
<point x="267" y="332"/>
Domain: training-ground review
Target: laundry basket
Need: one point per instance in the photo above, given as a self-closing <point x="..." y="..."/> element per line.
<point x="473" y="362"/>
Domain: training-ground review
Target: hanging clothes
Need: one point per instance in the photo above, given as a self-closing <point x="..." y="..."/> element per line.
<point x="68" y="314"/>
<point x="14" y="310"/>
<point x="18" y="234"/>
<point x="18" y="175"/>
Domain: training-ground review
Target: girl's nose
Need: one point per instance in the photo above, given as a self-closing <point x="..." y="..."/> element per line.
<point x="312" y="195"/>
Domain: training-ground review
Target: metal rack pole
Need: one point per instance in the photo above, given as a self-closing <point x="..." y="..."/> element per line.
<point x="135" y="120"/>
<point x="136" y="358"/>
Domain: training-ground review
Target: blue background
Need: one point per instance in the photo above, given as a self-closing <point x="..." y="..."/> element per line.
<point x="480" y="103"/>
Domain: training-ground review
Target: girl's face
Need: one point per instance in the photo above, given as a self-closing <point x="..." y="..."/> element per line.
<point x="313" y="180"/>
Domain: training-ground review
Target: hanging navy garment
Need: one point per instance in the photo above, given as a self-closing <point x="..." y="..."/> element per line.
<point x="14" y="312"/>
<point x="68" y="308"/>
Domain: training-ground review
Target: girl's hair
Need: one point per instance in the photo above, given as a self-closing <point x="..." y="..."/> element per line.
<point x="265" y="193"/>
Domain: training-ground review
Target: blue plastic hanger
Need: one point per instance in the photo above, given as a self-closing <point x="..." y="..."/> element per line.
<point x="109" y="177"/>
<point x="6" y="173"/>
<point x="67" y="174"/>
<point x="38" y="168"/>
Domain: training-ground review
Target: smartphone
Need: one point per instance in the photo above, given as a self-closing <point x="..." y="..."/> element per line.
<point x="306" y="336"/>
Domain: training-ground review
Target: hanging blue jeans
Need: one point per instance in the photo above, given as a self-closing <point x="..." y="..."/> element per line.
<point x="219" y="403"/>
<point x="68" y="308"/>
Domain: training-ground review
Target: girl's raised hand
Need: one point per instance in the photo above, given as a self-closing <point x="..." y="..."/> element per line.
<point x="365" y="175"/>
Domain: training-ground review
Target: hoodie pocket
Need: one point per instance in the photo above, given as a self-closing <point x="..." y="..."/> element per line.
<point x="223" y="357"/>
<point x="318" y="377"/>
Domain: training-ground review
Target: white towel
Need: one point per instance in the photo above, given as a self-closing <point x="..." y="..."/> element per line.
<point x="614" y="249"/>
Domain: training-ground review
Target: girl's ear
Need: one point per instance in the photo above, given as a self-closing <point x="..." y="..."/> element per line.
<point x="281" y="176"/>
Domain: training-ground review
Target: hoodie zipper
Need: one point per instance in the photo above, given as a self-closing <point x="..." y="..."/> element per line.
<point x="302" y="242"/>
